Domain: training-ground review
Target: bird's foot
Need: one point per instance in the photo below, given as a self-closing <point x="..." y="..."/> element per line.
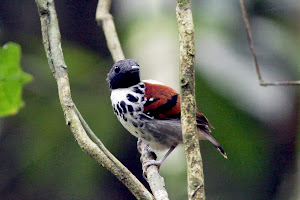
<point x="148" y="163"/>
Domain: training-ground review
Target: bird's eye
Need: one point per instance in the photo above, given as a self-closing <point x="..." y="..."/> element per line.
<point x="117" y="69"/>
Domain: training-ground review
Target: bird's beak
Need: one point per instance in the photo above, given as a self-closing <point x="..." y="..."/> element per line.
<point x="135" y="67"/>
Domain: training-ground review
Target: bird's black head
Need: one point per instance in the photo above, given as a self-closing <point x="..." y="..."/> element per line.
<point x="123" y="74"/>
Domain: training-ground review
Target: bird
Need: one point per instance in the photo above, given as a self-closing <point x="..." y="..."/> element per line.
<point x="150" y="110"/>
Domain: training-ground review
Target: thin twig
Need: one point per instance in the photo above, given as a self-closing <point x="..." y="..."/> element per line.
<point x="251" y="47"/>
<point x="188" y="104"/>
<point x="103" y="17"/>
<point x="52" y="44"/>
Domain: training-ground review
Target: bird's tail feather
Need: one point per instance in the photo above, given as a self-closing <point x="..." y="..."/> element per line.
<point x="215" y="143"/>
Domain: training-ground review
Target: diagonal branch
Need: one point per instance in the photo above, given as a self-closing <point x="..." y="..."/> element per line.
<point x="52" y="44"/>
<point x="188" y="104"/>
<point x="251" y="47"/>
<point x="106" y="19"/>
<point x="103" y="17"/>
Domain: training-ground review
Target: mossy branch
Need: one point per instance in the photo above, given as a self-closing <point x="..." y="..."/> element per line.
<point x="188" y="105"/>
<point x="52" y="44"/>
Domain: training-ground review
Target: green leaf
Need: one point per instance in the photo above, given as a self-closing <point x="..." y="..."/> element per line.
<point x="12" y="79"/>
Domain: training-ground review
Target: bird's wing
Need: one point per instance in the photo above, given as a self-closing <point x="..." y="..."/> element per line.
<point x="162" y="102"/>
<point x="202" y="122"/>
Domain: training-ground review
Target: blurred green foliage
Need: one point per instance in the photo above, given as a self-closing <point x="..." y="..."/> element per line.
<point x="12" y="79"/>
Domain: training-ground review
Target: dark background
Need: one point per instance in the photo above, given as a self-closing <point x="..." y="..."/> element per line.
<point x="257" y="126"/>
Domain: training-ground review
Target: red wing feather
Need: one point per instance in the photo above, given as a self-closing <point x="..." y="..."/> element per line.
<point x="162" y="101"/>
<point x="202" y="122"/>
<point x="201" y="119"/>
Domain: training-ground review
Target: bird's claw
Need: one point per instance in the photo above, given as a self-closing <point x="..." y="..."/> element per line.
<point x="147" y="164"/>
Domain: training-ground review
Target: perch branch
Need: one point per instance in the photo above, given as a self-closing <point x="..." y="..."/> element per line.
<point x="103" y="17"/>
<point x="251" y="47"/>
<point x="52" y="44"/>
<point x="188" y="105"/>
<point x="156" y="182"/>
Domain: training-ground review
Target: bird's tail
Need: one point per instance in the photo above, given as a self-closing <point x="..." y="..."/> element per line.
<point x="204" y="127"/>
<point x="215" y="143"/>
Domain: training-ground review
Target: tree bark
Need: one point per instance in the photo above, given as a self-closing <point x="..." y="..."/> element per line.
<point x="188" y="104"/>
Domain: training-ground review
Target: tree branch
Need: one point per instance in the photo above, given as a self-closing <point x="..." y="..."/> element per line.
<point x="52" y="44"/>
<point x="108" y="26"/>
<point x="156" y="182"/>
<point x="251" y="47"/>
<point x="188" y="105"/>
<point x="103" y="17"/>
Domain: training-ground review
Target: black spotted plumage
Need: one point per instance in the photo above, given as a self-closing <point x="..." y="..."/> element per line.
<point x="123" y="106"/>
<point x="142" y="85"/>
<point x="132" y="98"/>
<point x="119" y="109"/>
<point x="134" y="124"/>
<point x="115" y="111"/>
<point x="130" y="108"/>
<point x="137" y="90"/>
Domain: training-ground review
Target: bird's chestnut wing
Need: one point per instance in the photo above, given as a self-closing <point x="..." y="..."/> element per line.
<point x="162" y="101"/>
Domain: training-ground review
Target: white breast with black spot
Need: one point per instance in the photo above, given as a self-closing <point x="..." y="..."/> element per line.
<point x="128" y="105"/>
